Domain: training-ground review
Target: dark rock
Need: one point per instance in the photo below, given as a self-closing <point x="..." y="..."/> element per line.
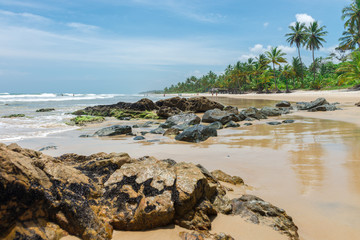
<point x="181" y="127"/>
<point x="231" y="109"/>
<point x="48" y="148"/>
<point x="14" y="116"/>
<point x="182" y="118"/>
<point x="137" y="138"/>
<point x="196" y="133"/>
<point x="248" y="124"/>
<point x="216" y="125"/>
<point x="171" y="162"/>
<point x="135" y="126"/>
<point x="288" y="121"/>
<point x="323" y="108"/>
<point x="313" y="104"/>
<point x="270" y="111"/>
<point x="232" y="124"/>
<point x="45" y="110"/>
<point x="113" y="131"/>
<point x="85" y="136"/>
<point x="357" y="104"/>
<point x="285" y="110"/>
<point x="196" y="104"/>
<point x="252" y="112"/>
<point x="153" y="140"/>
<point x="217" y="115"/>
<point x="143" y="133"/>
<point x="165" y="112"/>
<point x="171" y="131"/>
<point x="250" y="119"/>
<point x="284" y="104"/>
<point x="158" y="130"/>
<point x="274" y="123"/>
<point x="125" y="118"/>
<point x="258" y="211"/>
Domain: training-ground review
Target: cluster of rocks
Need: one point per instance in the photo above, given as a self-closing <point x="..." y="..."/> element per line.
<point x="90" y="196"/>
<point x="319" y="104"/>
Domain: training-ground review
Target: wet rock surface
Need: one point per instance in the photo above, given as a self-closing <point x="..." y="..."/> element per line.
<point x="221" y="176"/>
<point x="197" y="133"/>
<point x="273" y="123"/>
<point x="357" y="104"/>
<point x="182" y="119"/>
<point x="216" y="125"/>
<point x="252" y="112"/>
<point x="113" y="131"/>
<point x="271" y="111"/>
<point x="45" y="110"/>
<point x="165" y="111"/>
<point x="217" y="115"/>
<point x="232" y="124"/>
<point x="195" y="104"/>
<point x="258" y="211"/>
<point x="285" y="104"/>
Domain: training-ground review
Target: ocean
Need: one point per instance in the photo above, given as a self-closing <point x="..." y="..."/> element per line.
<point x="37" y="124"/>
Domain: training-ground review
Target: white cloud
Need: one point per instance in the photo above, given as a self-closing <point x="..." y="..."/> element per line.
<point x="24" y="16"/>
<point x="82" y="27"/>
<point x="266" y="24"/>
<point x="303" y="18"/>
<point x="258" y="49"/>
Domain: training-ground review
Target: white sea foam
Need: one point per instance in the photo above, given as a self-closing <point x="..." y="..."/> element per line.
<point x="53" y="97"/>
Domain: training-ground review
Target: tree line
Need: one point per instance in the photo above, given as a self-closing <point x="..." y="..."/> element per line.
<point x="271" y="71"/>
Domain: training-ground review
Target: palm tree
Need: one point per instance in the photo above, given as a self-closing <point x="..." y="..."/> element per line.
<point x="297" y="37"/>
<point x="314" y="39"/>
<point x="276" y="56"/>
<point x="265" y="78"/>
<point x="298" y="69"/>
<point x="288" y="73"/>
<point x="350" y="71"/>
<point x="350" y="39"/>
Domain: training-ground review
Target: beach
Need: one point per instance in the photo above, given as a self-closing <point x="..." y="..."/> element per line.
<point x="310" y="168"/>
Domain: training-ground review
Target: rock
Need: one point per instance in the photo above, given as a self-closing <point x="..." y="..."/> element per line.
<point x="183" y="118"/>
<point x="252" y="112"/>
<point x="216" y="125"/>
<point x="231" y="109"/>
<point x="45" y="110"/>
<point x="357" y="104"/>
<point x="288" y="121"/>
<point x="171" y="131"/>
<point x="258" y="211"/>
<point x="171" y="162"/>
<point x="158" y="130"/>
<point x="217" y="115"/>
<point x="221" y="176"/>
<point x="313" y="104"/>
<point x="85" y="136"/>
<point x="143" y="133"/>
<point x="165" y="112"/>
<point x="232" y="124"/>
<point x="153" y="140"/>
<point x="113" y="131"/>
<point x="270" y="111"/>
<point x="204" y="235"/>
<point x="323" y="108"/>
<point x="274" y="123"/>
<point x="196" y="104"/>
<point x="137" y="138"/>
<point x="181" y="127"/>
<point x="48" y="148"/>
<point x="248" y="124"/>
<point x="283" y="104"/>
<point x="196" y="133"/>
<point x="135" y="126"/>
<point x="14" y="116"/>
<point x="285" y="110"/>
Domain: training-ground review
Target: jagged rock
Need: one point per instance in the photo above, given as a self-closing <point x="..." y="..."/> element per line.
<point x="45" y="110"/>
<point x="271" y="112"/>
<point x="217" y="115"/>
<point x="216" y="125"/>
<point x="288" y="121"/>
<point x="248" y="124"/>
<point x="231" y="124"/>
<point x="231" y="109"/>
<point x="196" y="104"/>
<point x="113" y="131"/>
<point x="285" y="110"/>
<point x="274" y="123"/>
<point x="204" y="235"/>
<point x="171" y="131"/>
<point x="48" y="148"/>
<point x="323" y="108"/>
<point x="171" y="162"/>
<point x="181" y="127"/>
<point x="283" y="104"/>
<point x="313" y="104"/>
<point x="221" y="176"/>
<point x="165" y="111"/>
<point x="182" y="118"/>
<point x="137" y="138"/>
<point x="357" y="104"/>
<point x="258" y="211"/>
<point x="252" y="112"/>
<point x="196" y="133"/>
<point x="158" y="130"/>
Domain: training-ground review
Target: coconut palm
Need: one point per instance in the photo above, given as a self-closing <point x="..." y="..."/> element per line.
<point x="315" y="39"/>
<point x="275" y="56"/>
<point x="297" y="36"/>
<point x="351" y="35"/>
<point x="288" y="73"/>
<point x="350" y="71"/>
<point x="265" y="79"/>
<point x="349" y="40"/>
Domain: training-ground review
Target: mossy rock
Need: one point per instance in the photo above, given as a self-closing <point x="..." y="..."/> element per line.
<point x="14" y="116"/>
<point x="82" y="120"/>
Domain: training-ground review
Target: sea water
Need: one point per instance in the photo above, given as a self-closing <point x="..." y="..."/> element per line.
<point x="38" y="124"/>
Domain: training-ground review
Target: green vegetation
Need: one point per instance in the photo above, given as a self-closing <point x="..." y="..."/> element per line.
<point x="82" y="120"/>
<point x="14" y="116"/>
<point x="121" y="114"/>
<point x="271" y="71"/>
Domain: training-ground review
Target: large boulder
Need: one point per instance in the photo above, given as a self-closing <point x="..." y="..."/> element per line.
<point x="258" y="211"/>
<point x="324" y="108"/>
<point x="113" y="131"/>
<point x="182" y="118"/>
<point x="284" y="104"/>
<point x="312" y="104"/>
<point x="217" y="115"/>
<point x="195" y="104"/>
<point x="165" y="112"/>
<point x="175" y="102"/>
<point x="197" y="133"/>
<point x="271" y="111"/>
<point x="357" y="104"/>
<point x="253" y="112"/>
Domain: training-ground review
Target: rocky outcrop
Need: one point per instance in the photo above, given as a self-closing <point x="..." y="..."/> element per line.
<point x="45" y="110"/>
<point x="271" y="111"/>
<point x="283" y="104"/>
<point x="231" y="109"/>
<point x="258" y="211"/>
<point x="113" y="131"/>
<point x="324" y="108"/>
<point x="273" y="123"/>
<point x="204" y="235"/>
<point x="313" y="104"/>
<point x="165" y="111"/>
<point x="196" y="104"/>
<point x="357" y="104"/>
<point x="171" y="131"/>
<point x="217" y="115"/>
<point x="197" y="133"/>
<point x="252" y="112"/>
<point x="221" y="176"/>
<point x="158" y="130"/>
<point x="181" y="119"/>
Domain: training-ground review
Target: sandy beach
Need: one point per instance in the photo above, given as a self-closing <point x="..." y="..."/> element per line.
<point x="310" y="168"/>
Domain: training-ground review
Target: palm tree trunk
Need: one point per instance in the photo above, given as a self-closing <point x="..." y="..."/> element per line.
<point x="275" y="77"/>
<point x="302" y="70"/>
<point x="313" y="55"/>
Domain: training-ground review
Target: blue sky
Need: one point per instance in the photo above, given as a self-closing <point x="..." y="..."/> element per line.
<point x="128" y="46"/>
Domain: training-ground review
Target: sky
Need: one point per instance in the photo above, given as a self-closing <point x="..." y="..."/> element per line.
<point x="130" y="46"/>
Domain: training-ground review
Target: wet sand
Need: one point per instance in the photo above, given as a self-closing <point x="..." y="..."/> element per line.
<point x="310" y="168"/>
